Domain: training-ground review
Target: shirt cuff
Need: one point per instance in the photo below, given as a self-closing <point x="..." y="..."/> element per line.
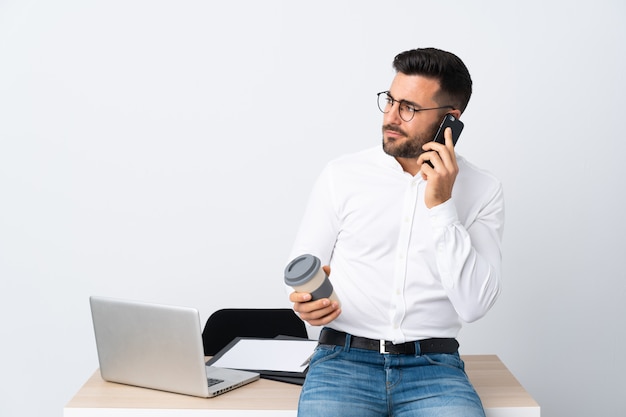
<point x="443" y="215"/>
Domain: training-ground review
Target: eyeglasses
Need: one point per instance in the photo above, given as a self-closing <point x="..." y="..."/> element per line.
<point x="405" y="109"/>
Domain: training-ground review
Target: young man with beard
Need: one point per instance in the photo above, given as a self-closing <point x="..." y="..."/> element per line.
<point x="412" y="250"/>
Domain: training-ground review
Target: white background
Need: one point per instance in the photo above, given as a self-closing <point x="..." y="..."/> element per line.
<point x="164" y="151"/>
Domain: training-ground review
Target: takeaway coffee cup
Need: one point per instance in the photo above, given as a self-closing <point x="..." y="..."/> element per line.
<point x="305" y="274"/>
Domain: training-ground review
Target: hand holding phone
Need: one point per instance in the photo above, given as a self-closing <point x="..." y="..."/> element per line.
<point x="453" y="123"/>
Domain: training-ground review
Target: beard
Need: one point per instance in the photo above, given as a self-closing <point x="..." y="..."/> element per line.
<point x="411" y="147"/>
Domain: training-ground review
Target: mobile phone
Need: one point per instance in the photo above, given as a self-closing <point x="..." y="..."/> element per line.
<point x="452" y="122"/>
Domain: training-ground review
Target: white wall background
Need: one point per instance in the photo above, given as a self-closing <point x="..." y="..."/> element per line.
<point x="164" y="150"/>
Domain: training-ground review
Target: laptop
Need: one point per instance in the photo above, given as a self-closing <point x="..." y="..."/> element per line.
<point x="157" y="346"/>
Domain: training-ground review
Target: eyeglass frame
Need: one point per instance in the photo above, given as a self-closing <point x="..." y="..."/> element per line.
<point x="406" y="103"/>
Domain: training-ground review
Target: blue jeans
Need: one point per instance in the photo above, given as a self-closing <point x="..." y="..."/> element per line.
<point x="349" y="382"/>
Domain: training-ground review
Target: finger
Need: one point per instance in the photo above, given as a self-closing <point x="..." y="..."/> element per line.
<point x="310" y="307"/>
<point x="299" y="297"/>
<point x="449" y="157"/>
<point x="326" y="269"/>
<point x="322" y="316"/>
<point x="326" y="319"/>
<point x="447" y="134"/>
<point x="425" y="158"/>
<point x="431" y="160"/>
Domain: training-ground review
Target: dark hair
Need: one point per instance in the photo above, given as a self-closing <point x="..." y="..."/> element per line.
<point x="454" y="78"/>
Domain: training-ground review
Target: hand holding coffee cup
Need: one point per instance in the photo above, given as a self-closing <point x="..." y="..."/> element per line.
<point x="305" y="274"/>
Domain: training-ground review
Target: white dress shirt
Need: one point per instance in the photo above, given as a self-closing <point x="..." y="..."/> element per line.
<point x="404" y="272"/>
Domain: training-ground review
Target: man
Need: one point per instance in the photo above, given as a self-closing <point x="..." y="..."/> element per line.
<point x="410" y="234"/>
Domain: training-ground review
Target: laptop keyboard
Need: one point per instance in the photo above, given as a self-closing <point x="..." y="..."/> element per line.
<point x="214" y="381"/>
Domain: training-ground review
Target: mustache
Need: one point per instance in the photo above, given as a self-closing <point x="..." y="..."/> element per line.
<point x="394" y="128"/>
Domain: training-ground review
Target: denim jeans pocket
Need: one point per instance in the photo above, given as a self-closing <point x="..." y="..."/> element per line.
<point x="452" y="360"/>
<point x="323" y="353"/>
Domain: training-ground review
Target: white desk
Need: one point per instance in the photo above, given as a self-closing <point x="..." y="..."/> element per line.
<point x="500" y="392"/>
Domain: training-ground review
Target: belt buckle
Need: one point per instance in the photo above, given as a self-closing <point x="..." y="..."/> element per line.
<point x="382" y="347"/>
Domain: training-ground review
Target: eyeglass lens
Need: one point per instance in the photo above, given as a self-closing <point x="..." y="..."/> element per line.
<point x="385" y="103"/>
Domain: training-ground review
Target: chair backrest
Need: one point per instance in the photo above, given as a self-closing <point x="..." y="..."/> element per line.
<point x="225" y="325"/>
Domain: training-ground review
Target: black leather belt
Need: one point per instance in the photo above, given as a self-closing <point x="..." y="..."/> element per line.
<point x="435" y="345"/>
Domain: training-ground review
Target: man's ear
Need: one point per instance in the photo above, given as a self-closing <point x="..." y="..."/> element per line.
<point x="456" y="113"/>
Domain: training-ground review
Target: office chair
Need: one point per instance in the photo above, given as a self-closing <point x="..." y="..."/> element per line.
<point x="225" y="325"/>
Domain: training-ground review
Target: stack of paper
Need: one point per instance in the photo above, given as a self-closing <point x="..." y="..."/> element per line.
<point x="283" y="359"/>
